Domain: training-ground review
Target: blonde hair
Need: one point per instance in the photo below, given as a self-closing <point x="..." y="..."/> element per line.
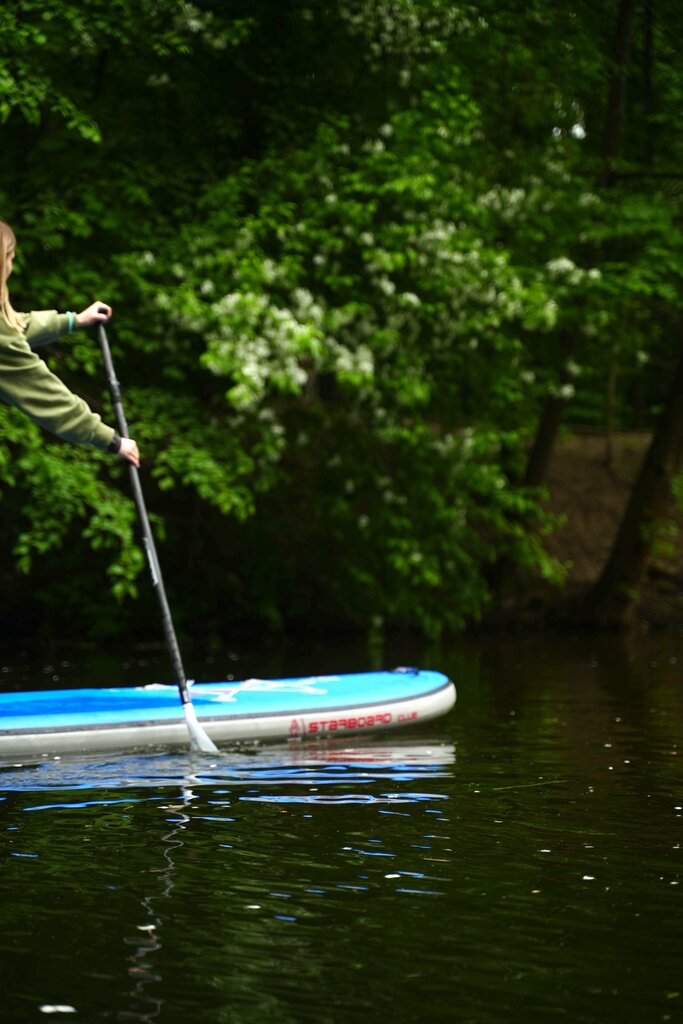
<point x="8" y="244"/>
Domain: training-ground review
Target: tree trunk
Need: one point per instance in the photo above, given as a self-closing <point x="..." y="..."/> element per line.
<point x="648" y="82"/>
<point x="611" y="402"/>
<point x="551" y="418"/>
<point x="616" y="102"/>
<point x="550" y="422"/>
<point x="614" y="597"/>
<point x="540" y="454"/>
<point x="648" y="56"/>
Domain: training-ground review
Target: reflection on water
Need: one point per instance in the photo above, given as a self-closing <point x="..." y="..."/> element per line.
<point x="399" y="759"/>
<point x="179" y="802"/>
<point x="144" y="1004"/>
<point x="517" y="861"/>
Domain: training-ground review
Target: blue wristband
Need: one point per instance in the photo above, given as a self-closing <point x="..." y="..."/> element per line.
<point x="70" y="322"/>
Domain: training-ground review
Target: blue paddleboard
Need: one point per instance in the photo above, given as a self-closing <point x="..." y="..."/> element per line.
<point x="45" y="722"/>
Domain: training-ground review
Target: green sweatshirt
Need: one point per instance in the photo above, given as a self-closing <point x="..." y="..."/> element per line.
<point x="27" y="383"/>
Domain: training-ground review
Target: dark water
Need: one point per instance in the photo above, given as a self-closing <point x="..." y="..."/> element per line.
<point x="517" y="861"/>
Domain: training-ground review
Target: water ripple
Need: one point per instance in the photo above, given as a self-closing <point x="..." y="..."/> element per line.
<point x="294" y="765"/>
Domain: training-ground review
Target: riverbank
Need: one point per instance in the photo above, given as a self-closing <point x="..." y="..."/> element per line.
<point x="589" y="486"/>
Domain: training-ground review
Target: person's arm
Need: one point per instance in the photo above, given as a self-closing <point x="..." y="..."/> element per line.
<point x="47" y="325"/>
<point x="27" y="383"/>
<point x="31" y="386"/>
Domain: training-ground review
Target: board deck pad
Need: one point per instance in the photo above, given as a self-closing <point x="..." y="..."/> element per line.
<point x="311" y="707"/>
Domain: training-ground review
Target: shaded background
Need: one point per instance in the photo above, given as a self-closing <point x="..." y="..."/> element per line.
<point x="366" y="260"/>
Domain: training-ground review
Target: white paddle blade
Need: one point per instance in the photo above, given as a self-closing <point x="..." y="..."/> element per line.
<point x="198" y="738"/>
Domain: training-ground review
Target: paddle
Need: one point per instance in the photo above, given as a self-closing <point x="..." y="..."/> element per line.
<point x="198" y="738"/>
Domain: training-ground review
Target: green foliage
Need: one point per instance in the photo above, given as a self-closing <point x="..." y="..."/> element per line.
<point x="349" y="303"/>
<point x="352" y="250"/>
<point x="59" y="484"/>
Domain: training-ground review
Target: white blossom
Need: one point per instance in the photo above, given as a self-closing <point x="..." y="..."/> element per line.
<point x="560" y="265"/>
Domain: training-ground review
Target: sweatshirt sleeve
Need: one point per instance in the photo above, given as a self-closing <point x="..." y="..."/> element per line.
<point x="43" y="326"/>
<point x="27" y="383"/>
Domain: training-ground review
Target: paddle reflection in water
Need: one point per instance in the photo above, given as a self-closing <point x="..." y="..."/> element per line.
<point x="145" y="1006"/>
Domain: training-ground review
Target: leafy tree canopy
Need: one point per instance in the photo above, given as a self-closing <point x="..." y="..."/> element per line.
<point x="352" y="249"/>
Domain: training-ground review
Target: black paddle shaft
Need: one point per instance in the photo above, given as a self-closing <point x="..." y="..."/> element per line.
<point x="148" y="539"/>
